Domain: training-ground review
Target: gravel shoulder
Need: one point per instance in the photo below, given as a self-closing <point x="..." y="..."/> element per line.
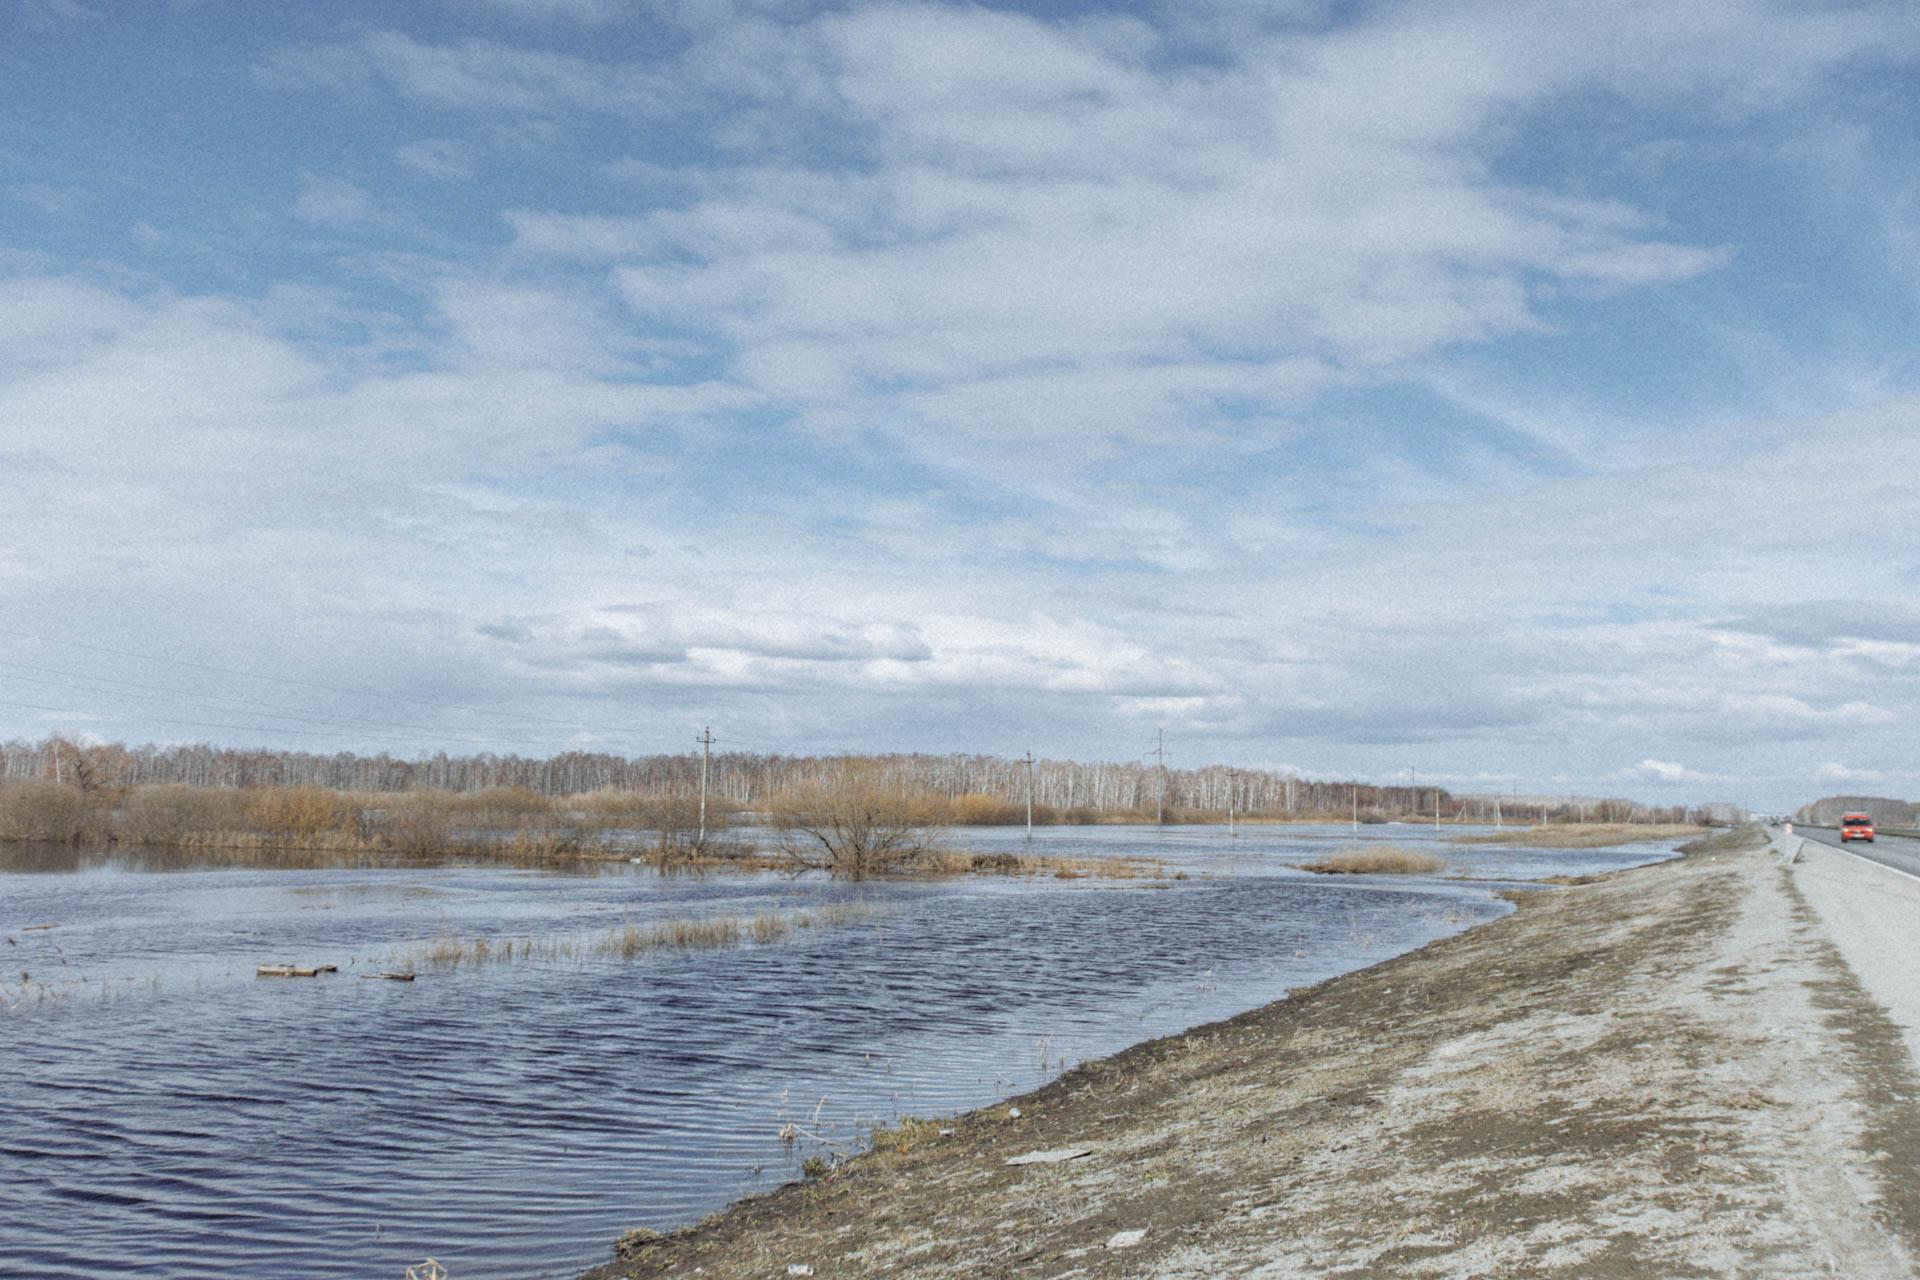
<point x="1671" y="1071"/>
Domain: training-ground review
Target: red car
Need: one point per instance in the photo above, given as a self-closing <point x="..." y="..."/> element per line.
<point x="1856" y="826"/>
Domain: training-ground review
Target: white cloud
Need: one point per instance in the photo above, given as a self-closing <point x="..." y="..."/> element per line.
<point x="440" y="158"/>
<point x="333" y="202"/>
<point x="1835" y="772"/>
<point x="474" y="74"/>
<point x="1670" y="771"/>
<point x="590" y="11"/>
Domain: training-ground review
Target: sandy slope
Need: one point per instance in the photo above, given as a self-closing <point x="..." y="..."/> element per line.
<point x="1667" y="1073"/>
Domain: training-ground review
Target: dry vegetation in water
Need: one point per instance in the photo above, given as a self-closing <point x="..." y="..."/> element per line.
<point x="1376" y="860"/>
<point x="1582" y="835"/>
<point x="626" y="941"/>
<point x="498" y="823"/>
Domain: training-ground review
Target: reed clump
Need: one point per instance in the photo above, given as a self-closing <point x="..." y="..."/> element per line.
<point x="1582" y="835"/>
<point x="629" y="940"/>
<point x="1378" y="860"/>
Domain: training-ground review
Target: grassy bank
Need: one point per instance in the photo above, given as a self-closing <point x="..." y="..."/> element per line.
<point x="1583" y="835"/>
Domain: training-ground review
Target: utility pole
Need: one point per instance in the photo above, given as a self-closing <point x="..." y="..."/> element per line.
<point x="1231" y="833"/>
<point x="1160" y="796"/>
<point x="1029" y="796"/>
<point x="706" y="761"/>
<point x="1354" y="790"/>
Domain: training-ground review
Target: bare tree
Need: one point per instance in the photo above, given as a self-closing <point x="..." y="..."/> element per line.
<point x="855" y="825"/>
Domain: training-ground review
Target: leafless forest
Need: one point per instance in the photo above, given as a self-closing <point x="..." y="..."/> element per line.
<point x="984" y="789"/>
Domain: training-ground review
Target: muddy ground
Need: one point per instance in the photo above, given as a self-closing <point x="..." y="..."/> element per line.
<point x="1668" y="1072"/>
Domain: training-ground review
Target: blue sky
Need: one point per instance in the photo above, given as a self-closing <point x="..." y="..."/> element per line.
<point x="1511" y="391"/>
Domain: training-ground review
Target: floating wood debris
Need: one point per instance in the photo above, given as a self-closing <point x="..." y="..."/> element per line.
<point x="390" y="976"/>
<point x="35" y="928"/>
<point x="294" y="970"/>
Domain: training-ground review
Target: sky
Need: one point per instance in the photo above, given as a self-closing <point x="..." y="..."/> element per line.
<point x="1521" y="393"/>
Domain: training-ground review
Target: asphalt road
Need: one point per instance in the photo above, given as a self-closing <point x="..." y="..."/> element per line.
<point x="1870" y="912"/>
<point x="1899" y="852"/>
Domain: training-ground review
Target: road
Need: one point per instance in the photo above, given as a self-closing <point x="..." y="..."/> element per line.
<point x="1871" y="912"/>
<point x="1899" y="852"/>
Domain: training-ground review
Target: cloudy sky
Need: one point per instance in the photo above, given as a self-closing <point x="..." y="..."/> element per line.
<point x="1518" y="392"/>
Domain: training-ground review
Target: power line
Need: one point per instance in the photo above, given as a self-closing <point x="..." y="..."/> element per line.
<point x="199" y="724"/>
<point x="288" y="680"/>
<point x="248" y="706"/>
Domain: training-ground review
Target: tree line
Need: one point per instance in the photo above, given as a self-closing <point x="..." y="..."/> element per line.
<point x="1061" y="789"/>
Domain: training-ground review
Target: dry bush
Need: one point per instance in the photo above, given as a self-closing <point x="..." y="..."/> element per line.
<point x="856" y="825"/>
<point x="1583" y="835"/>
<point x="300" y="815"/>
<point x="614" y="806"/>
<point x="51" y="812"/>
<point x="502" y="806"/>
<point x="674" y="819"/>
<point x="553" y="842"/>
<point x="418" y="823"/>
<point x="1377" y="860"/>
<point x="181" y="815"/>
<point x="977" y="810"/>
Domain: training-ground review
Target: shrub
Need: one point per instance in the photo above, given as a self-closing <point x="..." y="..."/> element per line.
<point x="418" y="823"/>
<point x="855" y="825"/>
<point x="182" y="815"/>
<point x="502" y="804"/>
<point x="299" y="815"/>
<point x="51" y="812"/>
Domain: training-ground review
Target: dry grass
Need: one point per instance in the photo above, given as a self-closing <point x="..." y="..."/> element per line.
<point x="628" y="941"/>
<point x="951" y="862"/>
<point x="1581" y="835"/>
<point x="906" y="1134"/>
<point x="1377" y="860"/>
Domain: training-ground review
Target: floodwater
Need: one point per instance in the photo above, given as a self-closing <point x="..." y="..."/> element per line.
<point x="165" y="1113"/>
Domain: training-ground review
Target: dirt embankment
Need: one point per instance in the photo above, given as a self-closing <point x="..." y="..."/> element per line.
<point x="1666" y="1073"/>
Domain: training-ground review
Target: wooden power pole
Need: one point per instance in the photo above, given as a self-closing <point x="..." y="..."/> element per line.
<point x="706" y="762"/>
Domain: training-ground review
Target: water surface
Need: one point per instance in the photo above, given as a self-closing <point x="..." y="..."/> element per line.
<point x="168" y="1114"/>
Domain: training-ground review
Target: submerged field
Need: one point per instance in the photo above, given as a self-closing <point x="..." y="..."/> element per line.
<point x="167" y="1107"/>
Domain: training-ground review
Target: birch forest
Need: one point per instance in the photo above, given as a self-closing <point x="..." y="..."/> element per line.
<point x="1061" y="789"/>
